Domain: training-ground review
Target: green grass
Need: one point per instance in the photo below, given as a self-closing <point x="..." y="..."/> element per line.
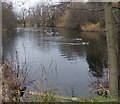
<point x="45" y="97"/>
<point x="22" y="25"/>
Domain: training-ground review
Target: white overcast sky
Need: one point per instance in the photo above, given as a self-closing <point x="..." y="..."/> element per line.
<point x="29" y="3"/>
<point x="18" y="4"/>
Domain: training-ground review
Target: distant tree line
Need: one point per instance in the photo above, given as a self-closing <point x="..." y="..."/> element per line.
<point x="64" y="14"/>
<point x="9" y="19"/>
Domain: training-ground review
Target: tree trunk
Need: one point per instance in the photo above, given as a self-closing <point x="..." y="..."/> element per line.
<point x="112" y="50"/>
<point x="0" y="32"/>
<point x="0" y="51"/>
<point x="24" y="23"/>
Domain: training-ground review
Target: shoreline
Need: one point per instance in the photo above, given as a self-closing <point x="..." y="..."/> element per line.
<point x="65" y="28"/>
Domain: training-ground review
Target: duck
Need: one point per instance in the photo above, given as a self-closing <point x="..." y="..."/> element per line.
<point x="57" y="33"/>
<point x="85" y="43"/>
<point x="49" y="33"/>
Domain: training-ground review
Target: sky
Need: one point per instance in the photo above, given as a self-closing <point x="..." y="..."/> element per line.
<point x="28" y="3"/>
<point x="18" y="4"/>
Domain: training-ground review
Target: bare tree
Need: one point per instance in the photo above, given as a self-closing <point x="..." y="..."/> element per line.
<point x="24" y="12"/>
<point x="8" y="16"/>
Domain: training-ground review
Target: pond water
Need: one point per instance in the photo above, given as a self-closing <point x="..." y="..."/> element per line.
<point x="62" y="60"/>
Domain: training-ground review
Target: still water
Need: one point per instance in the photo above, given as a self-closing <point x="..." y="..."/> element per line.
<point x="62" y="60"/>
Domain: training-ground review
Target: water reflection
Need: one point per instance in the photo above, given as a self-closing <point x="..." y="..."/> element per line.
<point x="75" y="51"/>
<point x="60" y="58"/>
<point x="9" y="45"/>
<point x="96" y="52"/>
<point x="72" y="52"/>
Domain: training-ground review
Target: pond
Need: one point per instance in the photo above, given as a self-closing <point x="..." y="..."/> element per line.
<point x="63" y="60"/>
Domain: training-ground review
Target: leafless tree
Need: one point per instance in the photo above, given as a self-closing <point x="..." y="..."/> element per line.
<point x="8" y="16"/>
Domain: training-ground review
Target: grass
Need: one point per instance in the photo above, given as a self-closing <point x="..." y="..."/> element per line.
<point x="22" y="25"/>
<point x="45" y="97"/>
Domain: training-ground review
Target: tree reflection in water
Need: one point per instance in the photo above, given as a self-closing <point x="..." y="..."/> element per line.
<point x="97" y="60"/>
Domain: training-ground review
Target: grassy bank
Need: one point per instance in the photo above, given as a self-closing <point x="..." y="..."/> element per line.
<point x="45" y="97"/>
<point x="22" y="25"/>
